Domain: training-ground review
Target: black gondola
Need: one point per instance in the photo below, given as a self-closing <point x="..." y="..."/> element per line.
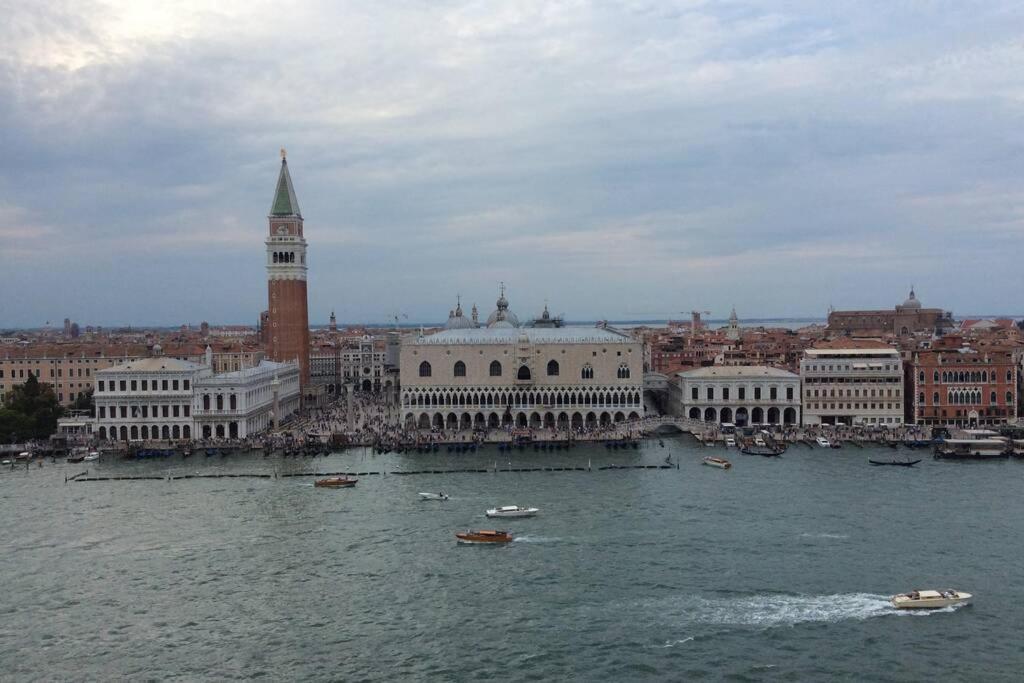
<point x="897" y="463"/>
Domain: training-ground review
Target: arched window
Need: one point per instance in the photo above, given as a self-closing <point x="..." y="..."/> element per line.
<point x="935" y="376"/>
<point x="1009" y="375"/>
<point x="921" y="376"/>
<point x="922" y="397"/>
<point x="552" y="368"/>
<point x="935" y="398"/>
<point x="460" y="369"/>
<point x="424" y="369"/>
<point x="524" y="372"/>
<point x="984" y="375"/>
<point x="587" y="372"/>
<point x="495" y="369"/>
<point x="992" y="398"/>
<point x="623" y="372"/>
<point x="1009" y="398"/>
<point x="275" y="257"/>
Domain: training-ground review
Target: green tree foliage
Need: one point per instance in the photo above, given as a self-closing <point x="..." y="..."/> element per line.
<point x="30" y="411"/>
<point x="85" y="402"/>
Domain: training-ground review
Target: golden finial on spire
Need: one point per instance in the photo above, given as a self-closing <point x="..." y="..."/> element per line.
<point x="284" y="153"/>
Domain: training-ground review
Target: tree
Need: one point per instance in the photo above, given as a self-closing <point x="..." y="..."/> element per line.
<point x="37" y="406"/>
<point x="85" y="402"/>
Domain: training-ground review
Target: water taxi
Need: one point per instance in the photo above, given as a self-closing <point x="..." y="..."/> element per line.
<point x="335" y="482"/>
<point x="512" y="511"/>
<point x="721" y="463"/>
<point x="484" y="536"/>
<point x="730" y="442"/>
<point x="973" y="449"/>
<point x="823" y="442"/>
<point x="433" y="496"/>
<point x="930" y="599"/>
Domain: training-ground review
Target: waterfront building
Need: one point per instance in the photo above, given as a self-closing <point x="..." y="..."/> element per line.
<point x="239" y="404"/>
<point x="903" y="320"/>
<point x="965" y="387"/>
<point x="287" y="319"/>
<point x="740" y="394"/>
<point x="852" y="381"/>
<point x="145" y="399"/>
<point x="503" y="375"/>
<point x="360" y="361"/>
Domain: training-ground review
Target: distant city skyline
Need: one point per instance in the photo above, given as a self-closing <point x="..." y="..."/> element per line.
<point x="612" y="160"/>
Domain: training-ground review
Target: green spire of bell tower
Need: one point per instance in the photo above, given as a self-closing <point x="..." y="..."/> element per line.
<point x="285" y="202"/>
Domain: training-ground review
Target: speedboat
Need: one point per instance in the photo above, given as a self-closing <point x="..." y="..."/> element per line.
<point x="930" y="599"/>
<point x="823" y="442"/>
<point x="730" y="442"/>
<point x="512" y="511"/>
<point x="758" y="441"/>
<point x="484" y="536"/>
<point x="93" y="455"/>
<point x="717" y="462"/>
<point x="335" y="482"/>
<point x="433" y="496"/>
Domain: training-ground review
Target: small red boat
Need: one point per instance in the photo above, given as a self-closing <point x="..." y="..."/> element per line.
<point x="336" y="482"/>
<point x="484" y="536"/>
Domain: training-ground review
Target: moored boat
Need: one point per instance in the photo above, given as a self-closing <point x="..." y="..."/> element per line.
<point x="512" y="511"/>
<point x="763" y="451"/>
<point x="484" y="536"/>
<point x="897" y="463"/>
<point x="930" y="599"/>
<point x="335" y="482"/>
<point x="721" y="463"/>
<point x="92" y="456"/>
<point x="730" y="441"/>
<point x="973" y="449"/>
<point x="823" y="442"/>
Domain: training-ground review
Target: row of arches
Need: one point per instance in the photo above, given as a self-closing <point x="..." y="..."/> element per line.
<point x="145" y="432"/>
<point x="959" y="376"/>
<point x="967" y="397"/>
<point x="284" y="257"/>
<point x="535" y="419"/>
<point x="743" y="416"/>
<point x="221" y="431"/>
<point x="524" y="373"/>
<point x="218" y="401"/>
<point x="523" y="399"/>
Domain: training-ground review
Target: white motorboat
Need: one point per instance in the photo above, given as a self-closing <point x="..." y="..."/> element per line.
<point x="730" y="442"/>
<point x="823" y="442"/>
<point x="759" y="442"/>
<point x="93" y="455"/>
<point x="512" y="511"/>
<point x="433" y="496"/>
<point x="930" y="599"/>
<point x="722" y="463"/>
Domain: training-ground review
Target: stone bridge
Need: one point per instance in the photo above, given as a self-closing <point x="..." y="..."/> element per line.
<point x="668" y="422"/>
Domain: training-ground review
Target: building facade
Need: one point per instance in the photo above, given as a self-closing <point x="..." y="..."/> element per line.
<point x="147" y="399"/>
<point x="236" y="405"/>
<point x="852" y="382"/>
<point x="360" y="362"/>
<point x="904" y="319"/>
<point x="527" y="377"/>
<point x="742" y="395"/>
<point x="965" y="387"/>
<point x="287" y="332"/>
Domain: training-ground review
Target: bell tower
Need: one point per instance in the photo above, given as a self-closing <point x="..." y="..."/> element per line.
<point x="288" y="318"/>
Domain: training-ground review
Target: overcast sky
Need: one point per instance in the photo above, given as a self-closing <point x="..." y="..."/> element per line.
<point x="619" y="160"/>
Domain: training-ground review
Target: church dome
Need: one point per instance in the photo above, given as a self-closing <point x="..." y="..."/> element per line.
<point x="502" y="317"/>
<point x="911" y="301"/>
<point x="457" y="320"/>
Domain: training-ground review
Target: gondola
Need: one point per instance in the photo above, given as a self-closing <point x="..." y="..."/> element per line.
<point x="896" y="463"/>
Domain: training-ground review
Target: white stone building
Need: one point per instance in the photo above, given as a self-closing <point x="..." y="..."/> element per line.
<point x="852" y="381"/>
<point x="738" y="394"/>
<point x="502" y="375"/>
<point x="150" y="398"/>
<point x="236" y="405"/>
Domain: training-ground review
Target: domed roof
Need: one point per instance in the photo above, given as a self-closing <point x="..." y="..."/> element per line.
<point x="458" y="321"/>
<point x="502" y="317"/>
<point x="911" y="301"/>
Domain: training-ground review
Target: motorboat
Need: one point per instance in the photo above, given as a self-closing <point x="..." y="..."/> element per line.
<point x="930" y="599"/>
<point x="484" y="536"/>
<point x="512" y="511"/>
<point x="763" y="451"/>
<point x="433" y="496"/>
<point x="730" y="442"/>
<point x="721" y="463"/>
<point x="335" y="482"/>
<point x="759" y="442"/>
<point x="77" y="455"/>
<point x="93" y="455"/>
<point x="823" y="442"/>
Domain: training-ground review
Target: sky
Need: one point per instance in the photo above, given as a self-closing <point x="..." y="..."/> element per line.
<point x="619" y="160"/>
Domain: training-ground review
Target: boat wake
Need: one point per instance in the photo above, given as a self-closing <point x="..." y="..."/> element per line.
<point x="768" y="610"/>
<point x="535" y="539"/>
<point x="824" y="535"/>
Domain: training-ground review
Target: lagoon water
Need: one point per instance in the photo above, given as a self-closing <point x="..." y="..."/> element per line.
<point x="778" y="569"/>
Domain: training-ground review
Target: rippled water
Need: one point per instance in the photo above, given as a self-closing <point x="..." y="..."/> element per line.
<point x="777" y="569"/>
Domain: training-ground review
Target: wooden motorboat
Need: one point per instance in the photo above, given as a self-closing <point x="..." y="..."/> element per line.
<point x="823" y="442"/>
<point x="930" y="599"/>
<point x="512" y="511"/>
<point x="721" y="463"/>
<point x="897" y="463"/>
<point x="763" y="451"/>
<point x="433" y="496"/>
<point x="335" y="482"/>
<point x="484" y="536"/>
